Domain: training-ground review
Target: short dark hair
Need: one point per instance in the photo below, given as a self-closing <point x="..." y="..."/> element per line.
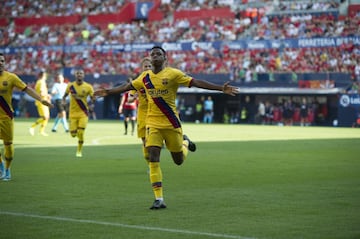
<point x="145" y="59"/>
<point x="159" y="47"/>
<point x="78" y="68"/>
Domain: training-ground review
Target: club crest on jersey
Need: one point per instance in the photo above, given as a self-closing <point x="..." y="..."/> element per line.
<point x="5" y="83"/>
<point x="165" y="81"/>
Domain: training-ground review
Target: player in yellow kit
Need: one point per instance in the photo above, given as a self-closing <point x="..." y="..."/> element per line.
<point x="43" y="110"/>
<point x="142" y="109"/>
<point x="162" y="120"/>
<point x="79" y="92"/>
<point x="9" y="81"/>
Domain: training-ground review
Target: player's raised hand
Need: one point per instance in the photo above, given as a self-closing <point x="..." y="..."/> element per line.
<point x="230" y="90"/>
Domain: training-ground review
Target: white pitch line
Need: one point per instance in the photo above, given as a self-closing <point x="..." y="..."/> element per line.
<point x="66" y="219"/>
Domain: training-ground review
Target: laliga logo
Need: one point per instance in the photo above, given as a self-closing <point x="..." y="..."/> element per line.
<point x="345" y="100"/>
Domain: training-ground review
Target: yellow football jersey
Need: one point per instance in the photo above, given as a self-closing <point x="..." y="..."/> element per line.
<point x="41" y="89"/>
<point x="8" y="81"/>
<point x="142" y="105"/>
<point x="78" y="99"/>
<point x="161" y="90"/>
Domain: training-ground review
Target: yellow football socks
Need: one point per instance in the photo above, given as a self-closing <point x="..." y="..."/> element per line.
<point x="79" y="147"/>
<point x="9" y="151"/>
<point x="80" y="135"/>
<point x="156" y="179"/>
<point x="38" y="121"/>
<point x="185" y="149"/>
<point x="43" y="125"/>
<point x="8" y="154"/>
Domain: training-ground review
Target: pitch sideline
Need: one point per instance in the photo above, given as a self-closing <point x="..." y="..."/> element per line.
<point x="216" y="235"/>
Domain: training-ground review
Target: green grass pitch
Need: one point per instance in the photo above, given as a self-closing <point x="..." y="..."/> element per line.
<point x="254" y="182"/>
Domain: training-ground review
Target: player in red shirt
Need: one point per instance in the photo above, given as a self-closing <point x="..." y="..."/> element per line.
<point x="127" y="107"/>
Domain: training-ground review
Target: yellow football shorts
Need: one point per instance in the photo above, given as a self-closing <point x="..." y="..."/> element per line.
<point x="43" y="110"/>
<point x="7" y="129"/>
<point x="76" y="123"/>
<point x="173" y="138"/>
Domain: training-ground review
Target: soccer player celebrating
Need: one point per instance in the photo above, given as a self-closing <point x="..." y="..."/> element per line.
<point x="43" y="110"/>
<point x="142" y="109"/>
<point x="9" y="81"/>
<point x="162" y="120"/>
<point x="79" y="91"/>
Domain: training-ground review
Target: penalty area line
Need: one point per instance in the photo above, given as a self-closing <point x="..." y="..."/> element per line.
<point x="114" y="224"/>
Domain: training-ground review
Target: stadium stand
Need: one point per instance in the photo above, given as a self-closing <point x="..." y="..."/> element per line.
<point x="69" y="26"/>
<point x="294" y="44"/>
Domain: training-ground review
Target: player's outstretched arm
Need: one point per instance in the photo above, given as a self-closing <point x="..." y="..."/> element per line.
<point x="226" y="88"/>
<point x="117" y="90"/>
<point x="36" y="96"/>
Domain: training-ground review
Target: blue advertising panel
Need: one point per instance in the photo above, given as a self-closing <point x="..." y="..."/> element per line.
<point x="190" y="46"/>
<point x="142" y="10"/>
<point x="349" y="109"/>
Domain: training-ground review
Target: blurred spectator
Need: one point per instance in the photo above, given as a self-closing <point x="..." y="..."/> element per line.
<point x="261" y="114"/>
<point x="208" y="110"/>
<point x="354" y="88"/>
<point x="288" y="112"/>
<point x="304" y="112"/>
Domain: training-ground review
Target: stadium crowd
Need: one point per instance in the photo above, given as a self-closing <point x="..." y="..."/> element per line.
<point x="332" y="59"/>
<point x="37" y="8"/>
<point x="305" y="5"/>
<point x="236" y="62"/>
